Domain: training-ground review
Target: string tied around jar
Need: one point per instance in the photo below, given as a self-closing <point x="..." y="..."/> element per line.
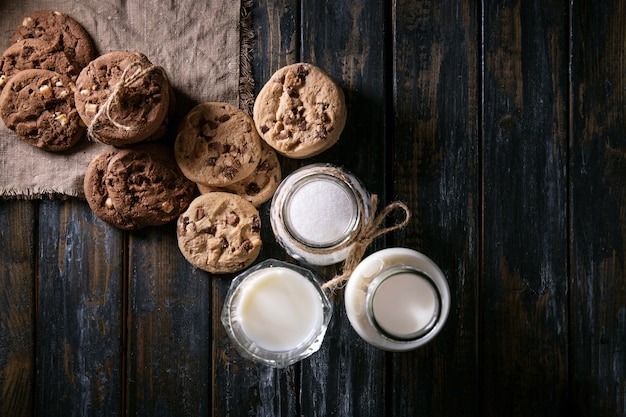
<point x="365" y="236"/>
<point x="126" y="80"/>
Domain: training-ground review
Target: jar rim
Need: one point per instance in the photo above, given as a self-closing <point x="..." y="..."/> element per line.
<point x="375" y="285"/>
<point x="332" y="250"/>
<point x="350" y="228"/>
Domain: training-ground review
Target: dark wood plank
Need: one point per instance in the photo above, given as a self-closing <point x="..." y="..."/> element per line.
<point x="437" y="172"/>
<point x="347" y="40"/>
<point x="242" y="387"/>
<point x="79" y="314"/>
<point x="524" y="300"/>
<point x="17" y="298"/>
<point x="169" y="327"/>
<point x="598" y="199"/>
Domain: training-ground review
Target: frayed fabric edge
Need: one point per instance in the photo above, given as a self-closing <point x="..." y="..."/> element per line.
<point x="12" y="194"/>
<point x="246" y="49"/>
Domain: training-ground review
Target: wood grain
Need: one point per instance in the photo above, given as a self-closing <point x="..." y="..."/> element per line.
<point x="18" y="281"/>
<point x="169" y="328"/>
<point x="500" y="124"/>
<point x="79" y="316"/>
<point x="436" y="169"/>
<point x="525" y="251"/>
<point x="598" y="201"/>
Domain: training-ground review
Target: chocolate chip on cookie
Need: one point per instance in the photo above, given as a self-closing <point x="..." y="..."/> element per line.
<point x="219" y="233"/>
<point x="35" y="54"/>
<point x="300" y="111"/>
<point x="38" y="105"/>
<point x="58" y="29"/>
<point x="122" y="97"/>
<point x="258" y="187"/>
<point x="217" y="145"/>
<point x="137" y="187"/>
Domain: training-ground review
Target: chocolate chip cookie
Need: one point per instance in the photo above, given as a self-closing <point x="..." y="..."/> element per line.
<point x="35" y="54"/>
<point x="258" y="187"/>
<point x="217" y="145"/>
<point x="38" y="105"/>
<point x="137" y="187"/>
<point x="300" y="111"/>
<point x="219" y="233"/>
<point x="122" y="97"/>
<point x="58" y="29"/>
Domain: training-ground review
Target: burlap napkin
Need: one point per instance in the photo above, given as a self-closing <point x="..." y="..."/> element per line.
<point x="203" y="46"/>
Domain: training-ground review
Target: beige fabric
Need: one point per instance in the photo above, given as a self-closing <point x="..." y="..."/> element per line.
<point x="197" y="42"/>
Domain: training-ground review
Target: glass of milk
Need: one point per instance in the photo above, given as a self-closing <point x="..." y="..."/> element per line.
<point x="397" y="299"/>
<point x="276" y="313"/>
<point x="317" y="213"/>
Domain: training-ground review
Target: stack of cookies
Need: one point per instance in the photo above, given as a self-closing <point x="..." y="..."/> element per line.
<point x="218" y="148"/>
<point x="37" y="74"/>
<point x="54" y="90"/>
<point x="299" y="113"/>
<point x="123" y="98"/>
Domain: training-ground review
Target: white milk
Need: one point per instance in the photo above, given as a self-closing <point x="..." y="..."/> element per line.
<point x="279" y="309"/>
<point x="404" y="304"/>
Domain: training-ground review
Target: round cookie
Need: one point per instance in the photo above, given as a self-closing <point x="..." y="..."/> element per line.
<point x="34" y="54"/>
<point x="219" y="233"/>
<point x="58" y="29"/>
<point x="300" y="111"/>
<point x="38" y="105"/>
<point x="137" y="187"/>
<point x="217" y="145"/>
<point x="258" y="187"/>
<point x="122" y="97"/>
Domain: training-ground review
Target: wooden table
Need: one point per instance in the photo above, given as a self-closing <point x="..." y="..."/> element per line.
<point x="501" y="125"/>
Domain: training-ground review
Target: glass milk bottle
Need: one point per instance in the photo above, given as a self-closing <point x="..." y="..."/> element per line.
<point x="276" y="313"/>
<point x="397" y="299"/>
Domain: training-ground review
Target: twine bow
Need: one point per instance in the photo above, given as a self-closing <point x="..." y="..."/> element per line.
<point x="369" y="231"/>
<point x="126" y="80"/>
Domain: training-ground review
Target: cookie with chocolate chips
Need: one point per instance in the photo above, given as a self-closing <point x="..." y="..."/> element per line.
<point x="35" y="54"/>
<point x="59" y="30"/>
<point x="122" y="97"/>
<point x="38" y="105"/>
<point x="300" y="111"/>
<point x="137" y="187"/>
<point x="261" y="185"/>
<point x="217" y="145"/>
<point x="219" y="233"/>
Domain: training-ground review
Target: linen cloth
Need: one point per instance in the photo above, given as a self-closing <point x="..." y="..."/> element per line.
<point x="198" y="43"/>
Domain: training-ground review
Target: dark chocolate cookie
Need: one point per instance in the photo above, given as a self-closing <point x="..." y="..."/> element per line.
<point x="122" y="97"/>
<point x="137" y="187"/>
<point x="58" y="29"/>
<point x="35" y="54"/>
<point x="38" y="105"/>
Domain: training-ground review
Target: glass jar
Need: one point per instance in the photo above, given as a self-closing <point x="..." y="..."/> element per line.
<point x="317" y="212"/>
<point x="397" y="299"/>
<point x="276" y="313"/>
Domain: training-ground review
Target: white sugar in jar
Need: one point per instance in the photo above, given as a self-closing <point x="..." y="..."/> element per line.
<point x="317" y="212"/>
<point x="276" y="313"/>
<point x="397" y="299"/>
